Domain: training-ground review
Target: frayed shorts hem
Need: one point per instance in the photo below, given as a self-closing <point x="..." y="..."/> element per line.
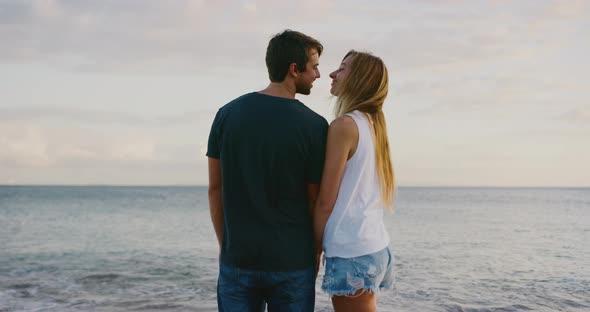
<point x="351" y="292"/>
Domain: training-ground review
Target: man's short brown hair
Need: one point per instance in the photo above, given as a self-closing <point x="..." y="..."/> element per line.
<point x="286" y="48"/>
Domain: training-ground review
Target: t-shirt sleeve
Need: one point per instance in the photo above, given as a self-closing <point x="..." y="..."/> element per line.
<point x="214" y="144"/>
<point x="315" y="165"/>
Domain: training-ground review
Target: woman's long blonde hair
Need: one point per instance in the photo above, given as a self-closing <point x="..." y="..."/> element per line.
<point x="365" y="89"/>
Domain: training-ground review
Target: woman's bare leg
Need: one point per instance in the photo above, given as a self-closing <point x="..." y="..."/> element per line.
<point x="361" y="301"/>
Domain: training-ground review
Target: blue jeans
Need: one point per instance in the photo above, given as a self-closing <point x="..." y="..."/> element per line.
<point x="248" y="290"/>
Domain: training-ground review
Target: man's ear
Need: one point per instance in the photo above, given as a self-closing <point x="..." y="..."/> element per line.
<point x="293" y="71"/>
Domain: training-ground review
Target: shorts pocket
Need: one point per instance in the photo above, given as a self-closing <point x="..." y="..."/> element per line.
<point x="367" y="266"/>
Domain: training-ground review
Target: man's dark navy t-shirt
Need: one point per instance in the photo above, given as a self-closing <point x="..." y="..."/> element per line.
<point x="270" y="148"/>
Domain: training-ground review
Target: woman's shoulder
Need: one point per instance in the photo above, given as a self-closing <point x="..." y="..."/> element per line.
<point x="343" y="122"/>
<point x="343" y="126"/>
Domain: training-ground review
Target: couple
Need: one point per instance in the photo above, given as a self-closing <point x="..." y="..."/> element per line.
<point x="283" y="186"/>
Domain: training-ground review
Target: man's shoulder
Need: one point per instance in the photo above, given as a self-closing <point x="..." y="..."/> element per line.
<point x="314" y="117"/>
<point x="242" y="98"/>
<point x="226" y="108"/>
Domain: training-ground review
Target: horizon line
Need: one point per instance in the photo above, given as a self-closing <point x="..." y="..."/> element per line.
<point x="205" y="185"/>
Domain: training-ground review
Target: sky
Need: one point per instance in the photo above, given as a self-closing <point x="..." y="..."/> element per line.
<point x="482" y="93"/>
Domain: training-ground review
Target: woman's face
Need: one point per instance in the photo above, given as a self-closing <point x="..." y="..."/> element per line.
<point x="339" y="75"/>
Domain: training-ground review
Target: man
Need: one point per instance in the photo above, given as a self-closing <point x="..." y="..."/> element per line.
<point x="266" y="153"/>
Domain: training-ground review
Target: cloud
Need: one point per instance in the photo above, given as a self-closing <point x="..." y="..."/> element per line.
<point x="85" y="116"/>
<point x="114" y="35"/>
<point x="23" y="146"/>
<point x="462" y="73"/>
<point x="190" y="36"/>
<point x="579" y="115"/>
<point x="568" y="9"/>
<point x="69" y="115"/>
<point x="250" y="7"/>
<point x="120" y="36"/>
<point x="33" y="146"/>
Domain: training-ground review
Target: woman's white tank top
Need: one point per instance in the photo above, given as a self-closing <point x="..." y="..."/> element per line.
<point x="355" y="227"/>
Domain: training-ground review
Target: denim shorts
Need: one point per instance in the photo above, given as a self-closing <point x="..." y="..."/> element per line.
<point x="372" y="272"/>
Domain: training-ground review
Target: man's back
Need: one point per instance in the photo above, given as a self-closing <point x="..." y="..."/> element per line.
<point x="269" y="148"/>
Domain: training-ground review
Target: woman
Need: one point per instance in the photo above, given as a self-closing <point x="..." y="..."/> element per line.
<point x="357" y="186"/>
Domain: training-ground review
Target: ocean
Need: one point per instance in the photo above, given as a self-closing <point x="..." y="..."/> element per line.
<point x="111" y="248"/>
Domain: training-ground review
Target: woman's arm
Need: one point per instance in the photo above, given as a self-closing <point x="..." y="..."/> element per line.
<point x="341" y="145"/>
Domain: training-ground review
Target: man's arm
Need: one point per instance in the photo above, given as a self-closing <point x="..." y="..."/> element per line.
<point x="215" y="201"/>
<point x="313" y="191"/>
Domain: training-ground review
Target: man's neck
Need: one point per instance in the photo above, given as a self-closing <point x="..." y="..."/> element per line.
<point x="280" y="89"/>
